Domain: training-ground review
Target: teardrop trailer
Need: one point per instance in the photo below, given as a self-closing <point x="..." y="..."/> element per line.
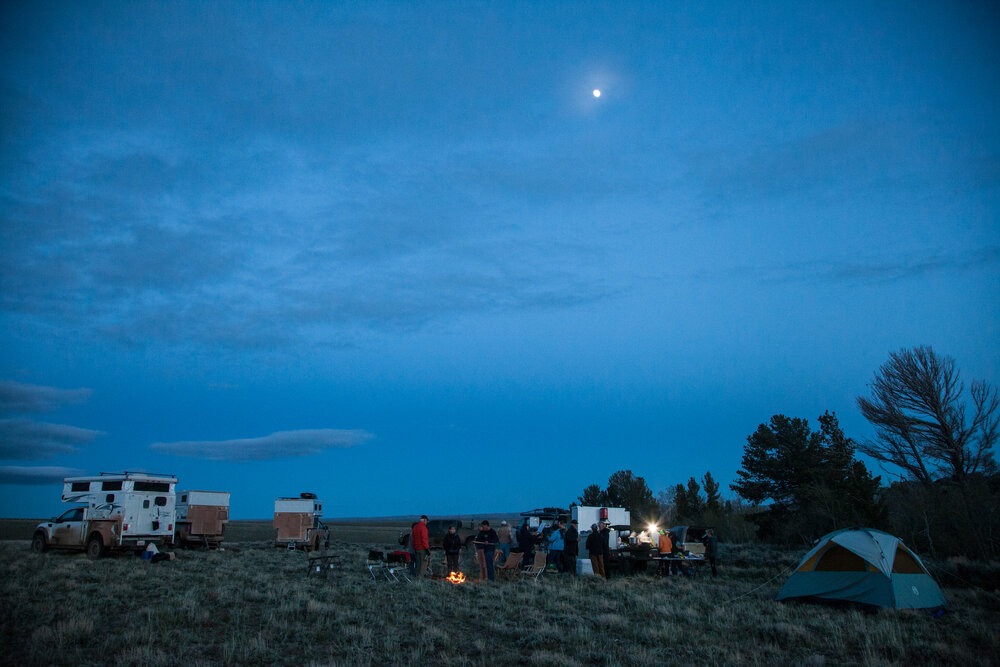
<point x="115" y="512"/>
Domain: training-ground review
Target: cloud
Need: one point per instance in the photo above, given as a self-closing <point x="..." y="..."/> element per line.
<point x="36" y="475"/>
<point x="877" y="271"/>
<point x="283" y="444"/>
<point x="17" y="398"/>
<point x="26" y="439"/>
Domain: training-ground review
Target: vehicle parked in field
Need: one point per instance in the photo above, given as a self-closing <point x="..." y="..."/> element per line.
<point x="116" y="512"/>
<point x="297" y="523"/>
<point x="438" y="528"/>
<point x="688" y="539"/>
<point x="201" y="518"/>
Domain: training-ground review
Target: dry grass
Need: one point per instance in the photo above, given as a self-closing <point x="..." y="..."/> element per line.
<point x="254" y="604"/>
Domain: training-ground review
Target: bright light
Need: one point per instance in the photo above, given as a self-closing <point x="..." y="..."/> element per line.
<point x="597" y="92"/>
<point x="652" y="528"/>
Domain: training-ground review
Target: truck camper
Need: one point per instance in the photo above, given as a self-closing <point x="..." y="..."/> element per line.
<point x="114" y="512"/>
<point x="201" y="518"/>
<point x="297" y="523"/>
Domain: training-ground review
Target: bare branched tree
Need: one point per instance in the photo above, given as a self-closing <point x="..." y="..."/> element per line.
<point x="919" y="414"/>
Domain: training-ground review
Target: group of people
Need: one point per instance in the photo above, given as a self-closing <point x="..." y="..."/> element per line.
<point x="562" y="545"/>
<point x="559" y="540"/>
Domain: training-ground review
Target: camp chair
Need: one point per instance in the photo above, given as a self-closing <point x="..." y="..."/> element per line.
<point x="537" y="567"/>
<point x="376" y="563"/>
<point x="397" y="563"/>
<point x="511" y="566"/>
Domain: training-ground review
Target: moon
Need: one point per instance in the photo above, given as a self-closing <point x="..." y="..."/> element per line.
<point x="597" y="92"/>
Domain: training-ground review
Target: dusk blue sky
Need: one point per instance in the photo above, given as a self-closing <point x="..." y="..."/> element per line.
<point x="398" y="254"/>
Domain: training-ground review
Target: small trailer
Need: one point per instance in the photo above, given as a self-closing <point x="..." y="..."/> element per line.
<point x="619" y="520"/>
<point x="297" y="523"/>
<point x="201" y="518"/>
<point x="115" y="512"/>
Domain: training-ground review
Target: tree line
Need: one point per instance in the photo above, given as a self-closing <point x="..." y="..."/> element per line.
<point x="796" y="483"/>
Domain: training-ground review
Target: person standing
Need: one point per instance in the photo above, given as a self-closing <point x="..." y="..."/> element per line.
<point x="595" y="551"/>
<point x="526" y="543"/>
<point x="486" y="544"/>
<point x="711" y="549"/>
<point x="606" y="548"/>
<point x="571" y="547"/>
<point x="421" y="544"/>
<point x="556" y="546"/>
<point x="666" y="547"/>
<point x="452" y="544"/>
<point x="506" y="538"/>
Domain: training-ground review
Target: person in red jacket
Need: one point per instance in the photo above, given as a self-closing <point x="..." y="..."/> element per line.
<point x="421" y="544"/>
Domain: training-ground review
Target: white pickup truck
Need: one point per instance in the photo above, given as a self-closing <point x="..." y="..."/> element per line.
<point x="124" y="511"/>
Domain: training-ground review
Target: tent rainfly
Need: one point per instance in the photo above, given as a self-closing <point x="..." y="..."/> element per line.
<point x="866" y="566"/>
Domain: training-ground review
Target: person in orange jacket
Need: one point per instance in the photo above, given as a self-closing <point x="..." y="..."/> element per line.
<point x="421" y="544"/>
<point x="666" y="548"/>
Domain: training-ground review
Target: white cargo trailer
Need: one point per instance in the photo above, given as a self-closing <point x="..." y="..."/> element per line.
<point x="586" y="516"/>
<point x="201" y="518"/>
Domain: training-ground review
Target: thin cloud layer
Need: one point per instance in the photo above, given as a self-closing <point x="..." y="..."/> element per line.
<point x="25" y="439"/>
<point x="18" y="399"/>
<point x="36" y="475"/>
<point x="282" y="444"/>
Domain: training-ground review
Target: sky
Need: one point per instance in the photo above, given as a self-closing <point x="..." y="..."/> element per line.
<point x="400" y="255"/>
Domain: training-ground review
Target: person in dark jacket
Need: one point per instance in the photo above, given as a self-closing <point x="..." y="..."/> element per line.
<point x="593" y="545"/>
<point x="571" y="547"/>
<point x="526" y="543"/>
<point x="711" y="549"/>
<point x="606" y="548"/>
<point x="486" y="545"/>
<point x="452" y="544"/>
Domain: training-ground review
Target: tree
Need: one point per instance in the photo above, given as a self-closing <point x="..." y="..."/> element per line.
<point x="624" y="490"/>
<point x="631" y="492"/>
<point x="713" y="499"/>
<point x="810" y="477"/>
<point x="690" y="505"/>
<point x="593" y="496"/>
<point x="919" y="414"/>
<point x="948" y="499"/>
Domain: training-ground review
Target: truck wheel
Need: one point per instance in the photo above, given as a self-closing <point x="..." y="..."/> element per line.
<point x="38" y="544"/>
<point x="95" y="547"/>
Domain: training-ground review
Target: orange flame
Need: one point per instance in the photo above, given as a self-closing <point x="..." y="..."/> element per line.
<point x="456" y="577"/>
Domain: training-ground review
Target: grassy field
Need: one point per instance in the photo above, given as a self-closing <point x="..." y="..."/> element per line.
<point x="254" y="604"/>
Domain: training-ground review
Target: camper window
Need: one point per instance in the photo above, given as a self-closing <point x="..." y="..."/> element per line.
<point x="160" y="501"/>
<point x="145" y="504"/>
<point x="81" y="486"/>
<point x="156" y="487"/>
<point x="110" y="498"/>
<point x="111" y="486"/>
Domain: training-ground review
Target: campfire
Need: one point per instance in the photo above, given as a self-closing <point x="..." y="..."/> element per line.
<point x="456" y="577"/>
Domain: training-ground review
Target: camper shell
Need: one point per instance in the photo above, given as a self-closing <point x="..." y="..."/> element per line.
<point x="687" y="539"/>
<point x="115" y="511"/>
<point x="201" y="518"/>
<point x="297" y="523"/>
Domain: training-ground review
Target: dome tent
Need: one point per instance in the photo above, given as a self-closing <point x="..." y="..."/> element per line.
<point x="865" y="566"/>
